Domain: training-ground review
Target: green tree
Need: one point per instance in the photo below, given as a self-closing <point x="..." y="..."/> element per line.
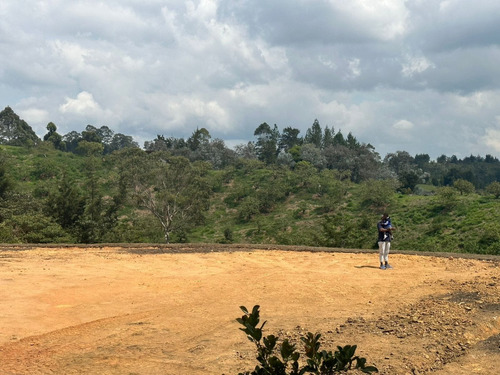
<point x="5" y="180"/>
<point x="267" y="143"/>
<point x="464" y="187"/>
<point x="447" y="197"/>
<point x="314" y="135"/>
<point x="494" y="188"/>
<point x="71" y="140"/>
<point x="54" y="137"/>
<point x="422" y="160"/>
<point x="399" y="161"/>
<point x="198" y="138"/>
<point x="15" y="131"/>
<point x="66" y="203"/>
<point x="378" y="195"/>
<point x="339" y="140"/>
<point x="88" y="148"/>
<point x="352" y="142"/>
<point x="121" y="141"/>
<point x="175" y="191"/>
<point x="328" y="137"/>
<point x="289" y="138"/>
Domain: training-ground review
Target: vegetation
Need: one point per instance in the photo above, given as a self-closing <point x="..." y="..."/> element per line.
<point x="321" y="190"/>
<point x="283" y="359"/>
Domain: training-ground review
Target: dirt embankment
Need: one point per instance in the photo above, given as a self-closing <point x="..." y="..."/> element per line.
<point x="172" y="309"/>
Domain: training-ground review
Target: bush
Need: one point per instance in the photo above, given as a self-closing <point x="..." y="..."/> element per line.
<point x="286" y="362"/>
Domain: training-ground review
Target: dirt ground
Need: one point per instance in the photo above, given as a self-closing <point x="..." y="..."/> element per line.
<point x="139" y="310"/>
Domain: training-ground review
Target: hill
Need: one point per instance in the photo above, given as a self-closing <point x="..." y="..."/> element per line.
<point x="59" y="197"/>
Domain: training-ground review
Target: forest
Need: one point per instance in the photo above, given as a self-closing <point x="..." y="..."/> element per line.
<point x="321" y="189"/>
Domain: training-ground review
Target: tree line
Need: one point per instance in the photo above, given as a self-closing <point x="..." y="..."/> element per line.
<point x="324" y="148"/>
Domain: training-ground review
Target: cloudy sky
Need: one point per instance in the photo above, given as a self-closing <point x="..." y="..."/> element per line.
<point x="421" y="76"/>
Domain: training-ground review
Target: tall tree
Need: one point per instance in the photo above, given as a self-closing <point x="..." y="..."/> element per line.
<point x="328" y="137"/>
<point x="267" y="143"/>
<point x="339" y="140"/>
<point x="198" y="138"/>
<point x="314" y="135"/>
<point x="71" y="140"/>
<point x="289" y="138"/>
<point x="54" y="137"/>
<point x="14" y="131"/>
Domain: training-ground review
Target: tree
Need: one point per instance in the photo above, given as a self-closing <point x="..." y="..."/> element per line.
<point x="447" y="197"/>
<point x="399" y="161"/>
<point x="328" y="137"/>
<point x="314" y="135"/>
<point x="463" y="186"/>
<point x="66" y="204"/>
<point x="106" y="135"/>
<point x="289" y="138"/>
<point x="91" y="134"/>
<point x="175" y="191"/>
<point x="71" y="140"/>
<point x="267" y="143"/>
<point x="352" y="142"/>
<point x="216" y="153"/>
<point x="198" y="138"/>
<point x="494" y="188"/>
<point x="378" y="194"/>
<point x="312" y="154"/>
<point x="339" y="140"/>
<point x="5" y="181"/>
<point x="422" y="159"/>
<point x="121" y="141"/>
<point x="409" y="180"/>
<point x="54" y="137"/>
<point x="14" y="131"/>
<point x="89" y="148"/>
<point x="246" y="151"/>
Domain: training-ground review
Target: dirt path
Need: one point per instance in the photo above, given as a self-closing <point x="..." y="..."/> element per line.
<point x="125" y="311"/>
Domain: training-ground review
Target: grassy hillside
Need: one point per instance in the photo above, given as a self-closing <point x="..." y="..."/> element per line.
<point x="252" y="203"/>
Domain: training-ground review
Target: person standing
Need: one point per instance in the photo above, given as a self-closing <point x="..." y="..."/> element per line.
<point x="384" y="241"/>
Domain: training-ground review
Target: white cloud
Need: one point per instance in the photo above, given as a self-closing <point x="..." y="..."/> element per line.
<point x="415" y="65"/>
<point x="492" y="139"/>
<point x="385" y="20"/>
<point x="35" y="115"/>
<point x="403" y="125"/>
<point x="83" y="103"/>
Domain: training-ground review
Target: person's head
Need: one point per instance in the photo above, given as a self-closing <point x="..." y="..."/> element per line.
<point x="385" y="216"/>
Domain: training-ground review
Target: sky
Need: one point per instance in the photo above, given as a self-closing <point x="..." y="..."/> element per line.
<point x="421" y="76"/>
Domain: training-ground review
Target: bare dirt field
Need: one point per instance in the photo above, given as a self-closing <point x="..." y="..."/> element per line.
<point x="172" y="310"/>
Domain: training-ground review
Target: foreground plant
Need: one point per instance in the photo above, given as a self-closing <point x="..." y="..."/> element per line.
<point x="283" y="359"/>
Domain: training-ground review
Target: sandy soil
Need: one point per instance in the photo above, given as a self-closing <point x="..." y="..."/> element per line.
<point x="165" y="311"/>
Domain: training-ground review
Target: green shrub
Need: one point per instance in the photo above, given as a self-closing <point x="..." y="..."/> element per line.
<point x="283" y="359"/>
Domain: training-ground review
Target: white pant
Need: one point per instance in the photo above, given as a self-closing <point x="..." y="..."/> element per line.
<point x="384" y="247"/>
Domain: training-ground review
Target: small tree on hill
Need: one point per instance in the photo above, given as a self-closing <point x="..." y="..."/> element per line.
<point x="494" y="188"/>
<point x="175" y="191"/>
<point x="464" y="186"/>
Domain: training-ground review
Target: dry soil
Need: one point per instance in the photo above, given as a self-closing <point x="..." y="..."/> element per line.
<point x="172" y="310"/>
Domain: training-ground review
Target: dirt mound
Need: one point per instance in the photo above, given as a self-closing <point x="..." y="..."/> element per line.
<point x="171" y="310"/>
